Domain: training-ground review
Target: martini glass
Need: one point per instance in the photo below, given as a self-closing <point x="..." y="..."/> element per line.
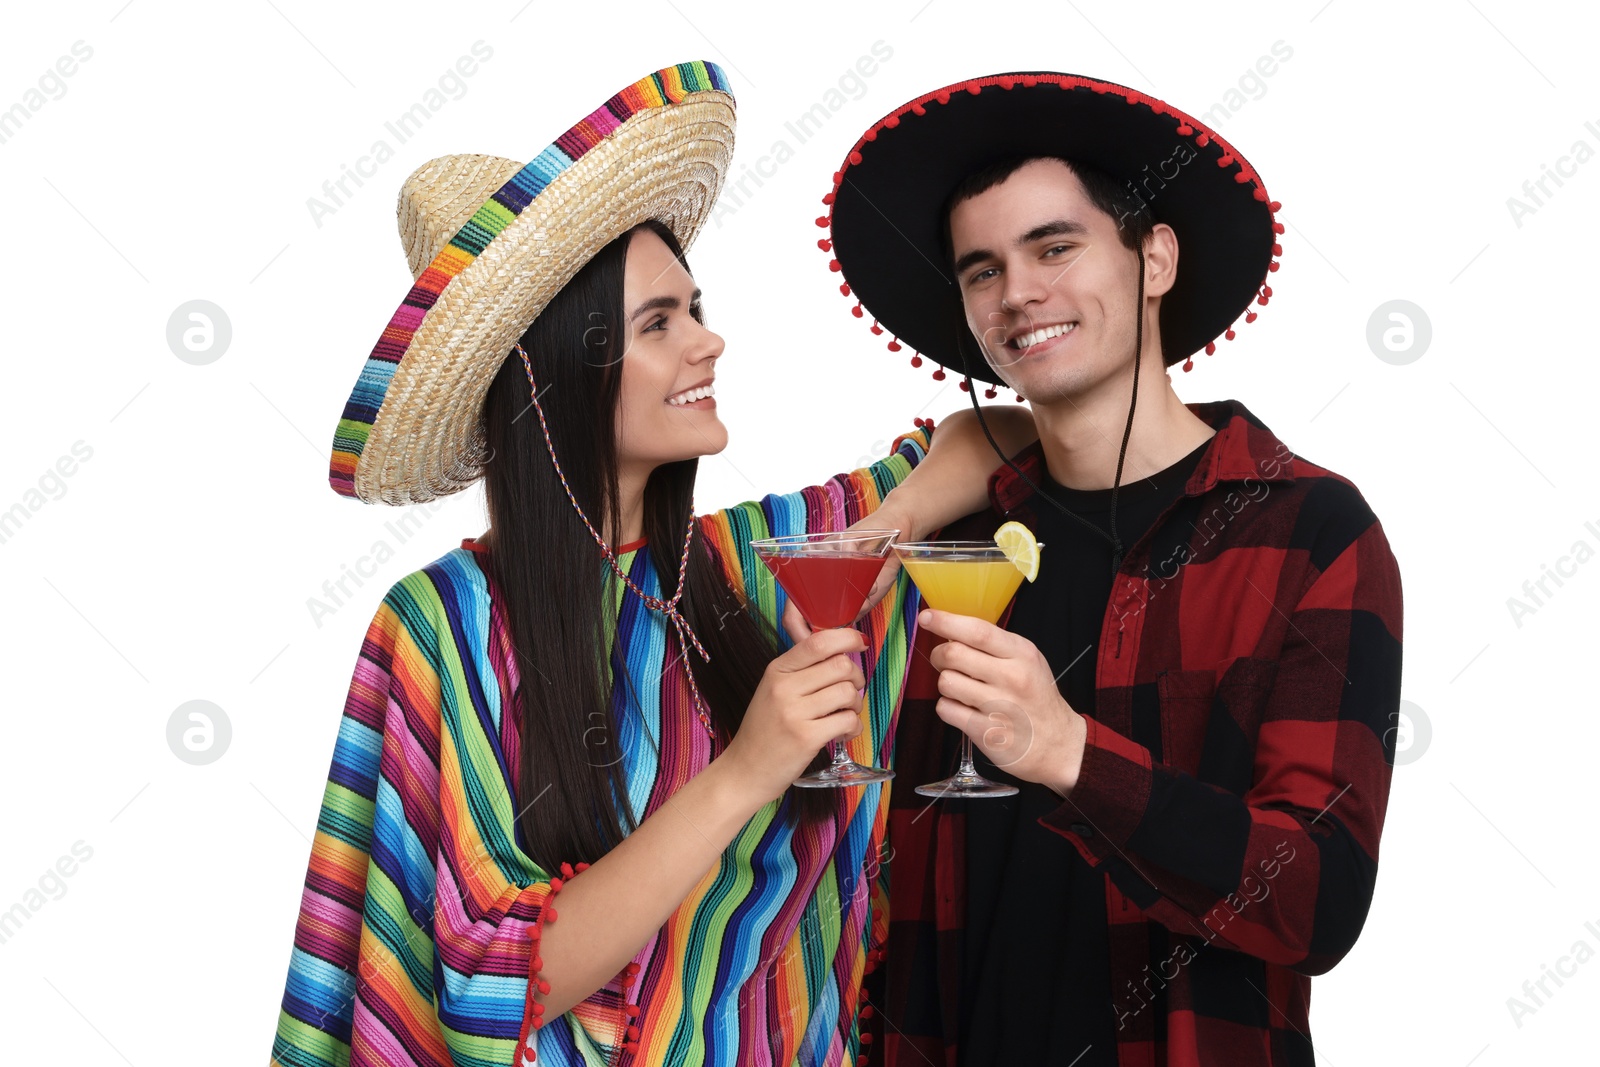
<point x="965" y="578"/>
<point x="829" y="576"/>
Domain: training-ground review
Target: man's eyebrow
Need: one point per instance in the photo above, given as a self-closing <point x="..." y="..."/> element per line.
<point x="1053" y="228"/>
<point x="977" y="255"/>
<point x="665" y="303"/>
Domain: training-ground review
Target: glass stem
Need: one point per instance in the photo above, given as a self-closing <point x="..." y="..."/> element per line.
<point x="967" y="769"/>
<point x="836" y="749"/>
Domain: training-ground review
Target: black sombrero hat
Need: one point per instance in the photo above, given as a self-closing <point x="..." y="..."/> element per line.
<point x="887" y="200"/>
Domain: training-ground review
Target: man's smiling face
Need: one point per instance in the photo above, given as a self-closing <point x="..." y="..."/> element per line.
<point x="1048" y="287"/>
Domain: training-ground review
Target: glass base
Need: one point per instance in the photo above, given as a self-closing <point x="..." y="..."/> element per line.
<point x="959" y="786"/>
<point x="838" y="775"/>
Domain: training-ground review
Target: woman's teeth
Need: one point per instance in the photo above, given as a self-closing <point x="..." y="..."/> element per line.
<point x="1028" y="340"/>
<point x="691" y="395"/>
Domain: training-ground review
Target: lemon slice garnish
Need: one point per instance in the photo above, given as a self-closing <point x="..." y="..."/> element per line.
<point x="1018" y="543"/>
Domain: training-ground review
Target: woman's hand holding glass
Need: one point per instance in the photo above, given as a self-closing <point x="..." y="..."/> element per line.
<point x="808" y="696"/>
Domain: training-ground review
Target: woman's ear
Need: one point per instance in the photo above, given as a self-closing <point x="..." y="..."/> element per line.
<point x="1160" y="260"/>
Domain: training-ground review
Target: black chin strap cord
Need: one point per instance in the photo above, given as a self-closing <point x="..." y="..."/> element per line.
<point x="1122" y="451"/>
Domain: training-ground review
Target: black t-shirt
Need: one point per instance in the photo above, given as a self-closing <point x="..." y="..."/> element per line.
<point x="1037" y="981"/>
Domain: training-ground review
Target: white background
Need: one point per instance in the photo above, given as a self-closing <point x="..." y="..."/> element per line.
<point x="176" y="563"/>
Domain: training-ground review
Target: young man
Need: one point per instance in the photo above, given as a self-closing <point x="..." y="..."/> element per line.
<point x="1195" y="698"/>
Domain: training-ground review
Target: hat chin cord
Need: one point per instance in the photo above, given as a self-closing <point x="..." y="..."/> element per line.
<point x="1122" y="451"/>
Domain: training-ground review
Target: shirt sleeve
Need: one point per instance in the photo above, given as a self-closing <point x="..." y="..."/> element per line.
<point x="837" y="503"/>
<point x="1285" y="872"/>
<point x="419" y="922"/>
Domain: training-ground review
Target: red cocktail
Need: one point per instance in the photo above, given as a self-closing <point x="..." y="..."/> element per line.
<point x="829" y="577"/>
<point x="829" y="590"/>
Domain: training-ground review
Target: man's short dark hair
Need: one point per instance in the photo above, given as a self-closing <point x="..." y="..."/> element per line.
<point x="1112" y="196"/>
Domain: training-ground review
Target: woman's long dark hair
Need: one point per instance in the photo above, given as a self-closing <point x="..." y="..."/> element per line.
<point x="548" y="571"/>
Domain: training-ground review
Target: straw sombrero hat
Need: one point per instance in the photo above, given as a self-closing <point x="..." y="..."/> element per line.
<point x="490" y="241"/>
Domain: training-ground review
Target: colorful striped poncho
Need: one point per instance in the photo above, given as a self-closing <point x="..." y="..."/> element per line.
<point x="413" y="941"/>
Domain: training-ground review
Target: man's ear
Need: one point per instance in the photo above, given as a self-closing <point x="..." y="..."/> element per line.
<point x="1160" y="260"/>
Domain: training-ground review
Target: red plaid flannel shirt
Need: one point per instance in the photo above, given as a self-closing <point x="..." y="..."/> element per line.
<point x="1235" y="777"/>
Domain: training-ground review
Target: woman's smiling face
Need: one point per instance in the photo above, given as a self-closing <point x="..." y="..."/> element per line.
<point x="665" y="410"/>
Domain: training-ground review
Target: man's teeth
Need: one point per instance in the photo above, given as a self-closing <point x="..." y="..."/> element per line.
<point x="690" y="396"/>
<point x="1028" y="340"/>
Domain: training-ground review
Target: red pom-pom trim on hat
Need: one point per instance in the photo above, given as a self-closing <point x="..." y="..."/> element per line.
<point x="828" y="197"/>
<point x="877" y="330"/>
<point x="893" y="345"/>
<point x="989" y="393"/>
<point x="1188" y="365"/>
<point x="1230" y="335"/>
<point x="824" y="221"/>
<point x="825" y="244"/>
<point x="1211" y="348"/>
<point x="1250" y="316"/>
<point x="965" y="386"/>
<point x="1186" y="126"/>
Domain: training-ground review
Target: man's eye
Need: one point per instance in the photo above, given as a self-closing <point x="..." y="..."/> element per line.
<point x="1053" y="249"/>
<point x="982" y="275"/>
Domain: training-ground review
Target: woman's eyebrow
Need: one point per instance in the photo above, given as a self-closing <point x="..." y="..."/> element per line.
<point x="665" y="303"/>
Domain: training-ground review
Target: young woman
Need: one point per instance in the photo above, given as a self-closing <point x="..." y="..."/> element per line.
<point x="592" y="705"/>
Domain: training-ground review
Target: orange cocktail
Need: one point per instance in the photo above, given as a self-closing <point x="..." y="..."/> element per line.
<point x="975" y="578"/>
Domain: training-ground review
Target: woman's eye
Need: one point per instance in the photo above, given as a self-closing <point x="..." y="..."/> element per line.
<point x="659" y="321"/>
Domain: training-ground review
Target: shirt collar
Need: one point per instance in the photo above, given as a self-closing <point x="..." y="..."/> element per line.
<point x="1241" y="449"/>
